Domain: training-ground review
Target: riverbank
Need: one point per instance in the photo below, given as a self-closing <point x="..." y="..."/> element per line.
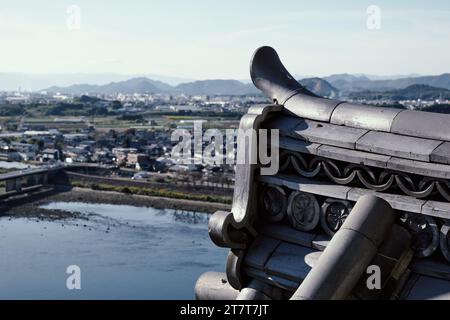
<point x="183" y="193"/>
<point x="32" y="207"/>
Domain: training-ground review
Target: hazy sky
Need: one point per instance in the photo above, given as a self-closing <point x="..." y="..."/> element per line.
<point x="215" y="39"/>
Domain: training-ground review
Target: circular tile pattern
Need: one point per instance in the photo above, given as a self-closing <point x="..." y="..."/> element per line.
<point x="334" y="212"/>
<point x="303" y="211"/>
<point x="425" y="233"/>
<point x="273" y="203"/>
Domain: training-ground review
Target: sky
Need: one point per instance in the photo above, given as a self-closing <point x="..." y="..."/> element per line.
<point x="201" y="39"/>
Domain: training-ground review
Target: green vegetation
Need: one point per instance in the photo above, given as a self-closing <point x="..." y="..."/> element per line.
<point x="438" y="108"/>
<point x="77" y="109"/>
<point x="390" y="105"/>
<point x="200" y="114"/>
<point x="11" y="110"/>
<point x="58" y="109"/>
<point x="153" y="192"/>
<point x="132" y="117"/>
<point x="6" y="170"/>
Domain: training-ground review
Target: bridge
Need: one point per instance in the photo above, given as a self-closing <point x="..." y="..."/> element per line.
<point x="33" y="179"/>
<point x="24" y="181"/>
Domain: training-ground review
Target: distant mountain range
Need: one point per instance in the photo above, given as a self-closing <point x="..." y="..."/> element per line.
<point x="135" y="85"/>
<point x="217" y="87"/>
<point x="145" y="85"/>
<point x="413" y="92"/>
<point x="10" y="81"/>
<point x="337" y="85"/>
<point x="351" y="83"/>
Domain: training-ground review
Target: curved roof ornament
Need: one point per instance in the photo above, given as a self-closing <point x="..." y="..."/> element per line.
<point x="271" y="77"/>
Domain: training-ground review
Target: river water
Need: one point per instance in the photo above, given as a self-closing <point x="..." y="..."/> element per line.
<point x="123" y="252"/>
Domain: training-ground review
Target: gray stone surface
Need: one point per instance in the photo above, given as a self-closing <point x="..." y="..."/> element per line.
<point x="435" y="170"/>
<point x="441" y="154"/>
<point x="214" y="286"/>
<point x="285" y="124"/>
<point x="321" y="241"/>
<point x="398" y="202"/>
<point x="406" y="141"/>
<point x="396" y="243"/>
<point x="436" y="209"/>
<point x="260" y="251"/>
<point x="257" y="290"/>
<point x="325" y="133"/>
<point x="307" y="185"/>
<point x="353" y="156"/>
<point x="355" y="193"/>
<point x="298" y="145"/>
<point x="397" y="145"/>
<point x="270" y="76"/>
<point x="288" y="261"/>
<point x="286" y="233"/>
<point x="244" y="190"/>
<point x="372" y="217"/>
<point x="432" y="268"/>
<point x="349" y="252"/>
<point x="312" y="258"/>
<point x="310" y="107"/>
<point x="422" y="124"/>
<point x="363" y="116"/>
<point x="338" y="269"/>
<point x="428" y="288"/>
<point x="274" y="280"/>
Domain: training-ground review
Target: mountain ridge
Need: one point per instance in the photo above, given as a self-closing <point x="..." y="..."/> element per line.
<point x="146" y="85"/>
<point x="330" y="86"/>
<point x="412" y="92"/>
<point x="348" y="84"/>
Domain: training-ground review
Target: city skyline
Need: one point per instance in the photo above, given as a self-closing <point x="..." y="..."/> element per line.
<point x="198" y="41"/>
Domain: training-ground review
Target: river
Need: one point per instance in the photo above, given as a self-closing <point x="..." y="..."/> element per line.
<point x="123" y="252"/>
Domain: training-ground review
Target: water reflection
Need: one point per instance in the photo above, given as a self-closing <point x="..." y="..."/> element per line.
<point x="124" y="252"/>
<point x="191" y="217"/>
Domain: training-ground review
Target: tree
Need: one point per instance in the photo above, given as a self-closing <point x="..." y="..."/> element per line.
<point x="40" y="144"/>
<point x="126" y="142"/>
<point x="115" y="105"/>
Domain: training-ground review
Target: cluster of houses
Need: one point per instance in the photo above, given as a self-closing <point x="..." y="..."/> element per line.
<point x="30" y="146"/>
<point x="88" y="146"/>
<point x="17" y="151"/>
<point x="137" y="151"/>
<point x="142" y="150"/>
